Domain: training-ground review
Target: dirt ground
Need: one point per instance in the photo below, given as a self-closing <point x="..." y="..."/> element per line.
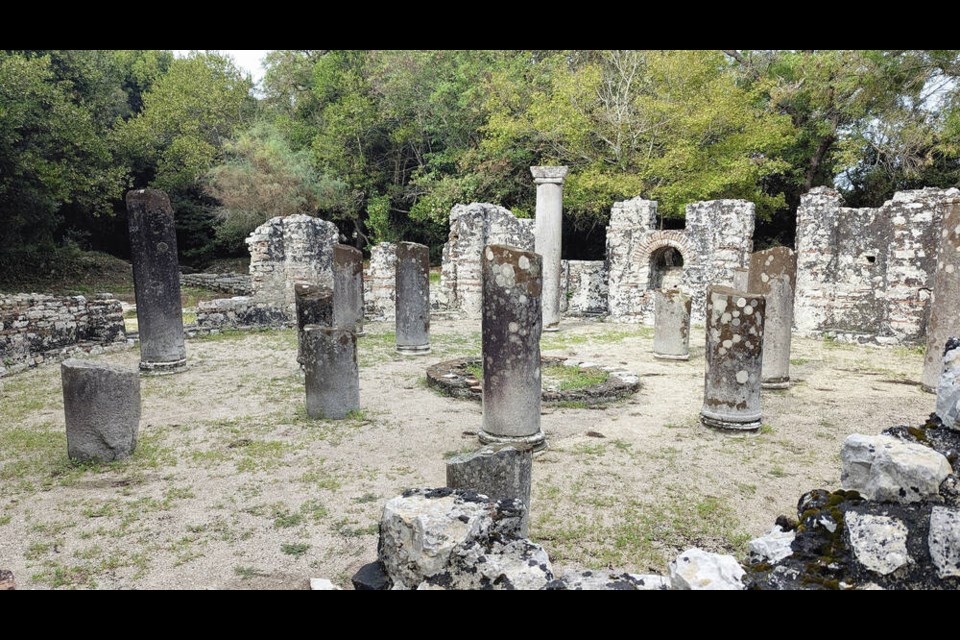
<point x="232" y="486"/>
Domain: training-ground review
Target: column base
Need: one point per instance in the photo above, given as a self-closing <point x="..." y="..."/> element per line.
<point x="714" y="421"/>
<point x="414" y="351"/>
<point x="163" y="368"/>
<point x="776" y="383"/>
<point x="665" y="356"/>
<point x="552" y="328"/>
<point x="536" y="442"/>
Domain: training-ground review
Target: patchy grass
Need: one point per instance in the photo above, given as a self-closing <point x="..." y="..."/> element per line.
<point x="249" y="573"/>
<point x="295" y="549"/>
<point x="570" y="378"/>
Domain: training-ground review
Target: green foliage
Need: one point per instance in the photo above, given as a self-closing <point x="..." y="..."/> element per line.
<point x="263" y="177"/>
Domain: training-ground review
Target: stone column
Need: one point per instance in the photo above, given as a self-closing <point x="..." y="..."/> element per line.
<point x="671" y="336"/>
<point x="101" y="405"/>
<point x="498" y="472"/>
<point x="948" y="391"/>
<point x="156" y="280"/>
<point x="731" y="397"/>
<point x="332" y="375"/>
<point x="511" y="323"/>
<point x="413" y="299"/>
<point x="773" y="274"/>
<point x="314" y="306"/>
<point x="741" y="278"/>
<point x="548" y="238"/>
<point x="945" y="299"/>
<point x="348" y="288"/>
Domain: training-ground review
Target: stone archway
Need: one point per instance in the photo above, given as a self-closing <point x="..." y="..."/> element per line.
<point x="666" y="255"/>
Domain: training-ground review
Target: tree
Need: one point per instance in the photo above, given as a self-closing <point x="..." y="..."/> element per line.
<point x="263" y="177"/>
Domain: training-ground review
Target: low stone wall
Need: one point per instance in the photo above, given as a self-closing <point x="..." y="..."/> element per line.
<point x="36" y="328"/>
<point x="241" y="312"/>
<point x="583" y="287"/>
<point x="237" y="284"/>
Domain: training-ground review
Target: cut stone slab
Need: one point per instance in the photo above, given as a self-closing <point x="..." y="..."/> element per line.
<point x="944" y="541"/>
<point x="879" y="543"/>
<point x="889" y="470"/>
<point x="420" y="529"/>
<point x="699" y="570"/>
<point x="322" y="584"/>
<point x="371" y="577"/>
<point x="607" y="581"/>
<point x="773" y="546"/>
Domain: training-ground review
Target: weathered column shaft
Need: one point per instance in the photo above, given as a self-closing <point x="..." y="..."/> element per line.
<point x="731" y="397"/>
<point x="773" y="274"/>
<point x="101" y="405"/>
<point x="156" y="279"/>
<point x="948" y="391"/>
<point x="498" y="472"/>
<point x="671" y="336"/>
<point x="945" y="299"/>
<point x="314" y="306"/>
<point x="348" y="288"/>
<point x="511" y="323"/>
<point x="332" y="375"/>
<point x="548" y="242"/>
<point x="413" y="298"/>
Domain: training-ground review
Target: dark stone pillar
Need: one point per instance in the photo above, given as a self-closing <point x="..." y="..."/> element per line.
<point x="413" y="298"/>
<point x="156" y="279"/>
<point x="348" y="288"/>
<point x="101" y="405"/>
<point x="332" y="375"/>
<point x="511" y="325"/>
<point x="314" y="306"/>
<point x="731" y="397"/>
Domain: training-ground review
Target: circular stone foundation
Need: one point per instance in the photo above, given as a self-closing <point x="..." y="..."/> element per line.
<point x="460" y="379"/>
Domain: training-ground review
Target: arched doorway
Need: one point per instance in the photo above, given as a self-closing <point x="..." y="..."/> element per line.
<point x="666" y="268"/>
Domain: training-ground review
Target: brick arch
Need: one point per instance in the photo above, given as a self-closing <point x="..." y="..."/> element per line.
<point x="668" y="238"/>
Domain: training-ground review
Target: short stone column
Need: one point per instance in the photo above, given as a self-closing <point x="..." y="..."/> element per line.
<point x="348" y="288"/>
<point x="101" y="405"/>
<point x="497" y="471"/>
<point x="731" y="397"/>
<point x="413" y="298"/>
<point x="156" y="280"/>
<point x="510" y="325"/>
<point x="548" y="238"/>
<point x="314" y="306"/>
<point x="773" y="274"/>
<point x="332" y="376"/>
<point x="945" y="298"/>
<point x="671" y="331"/>
<point x="741" y="278"/>
<point x="948" y="391"/>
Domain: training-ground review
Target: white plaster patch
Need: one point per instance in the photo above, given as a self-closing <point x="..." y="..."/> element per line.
<point x="725" y="318"/>
<point x="513" y="327"/>
<point x="524" y="262"/>
<point x="742" y="376"/>
<point x="741" y="302"/>
<point x="748" y="310"/>
<point x="489" y="254"/>
<point x="950" y="268"/>
<point x="728" y="343"/>
<point x="736" y="339"/>
<point x="764" y="277"/>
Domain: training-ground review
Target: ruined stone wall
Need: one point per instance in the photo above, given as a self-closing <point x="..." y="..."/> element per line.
<point x="472" y="227"/>
<point x="864" y="275"/>
<point x="233" y="283"/>
<point x="718" y="237"/>
<point x="287" y="250"/>
<point x="583" y="287"/>
<point x="35" y="328"/>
